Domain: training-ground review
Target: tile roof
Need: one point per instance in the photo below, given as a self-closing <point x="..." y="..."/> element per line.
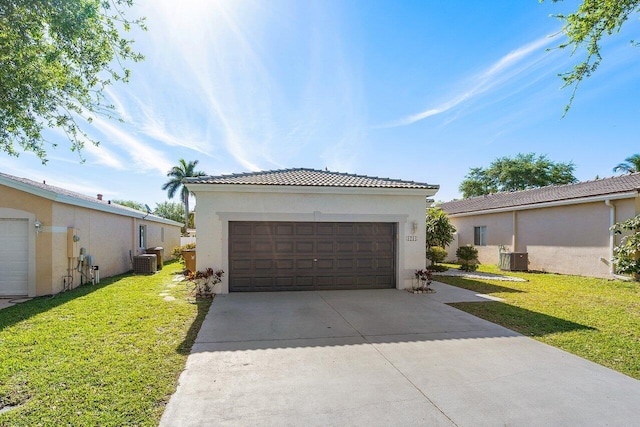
<point x="54" y="192"/>
<point x="553" y="193"/>
<point x="309" y="178"/>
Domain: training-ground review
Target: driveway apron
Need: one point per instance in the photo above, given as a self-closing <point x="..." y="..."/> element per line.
<point x="384" y="357"/>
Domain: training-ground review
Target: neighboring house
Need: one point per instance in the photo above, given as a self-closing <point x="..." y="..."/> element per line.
<point x="563" y="228"/>
<point x="305" y="229"/>
<point x="38" y="251"/>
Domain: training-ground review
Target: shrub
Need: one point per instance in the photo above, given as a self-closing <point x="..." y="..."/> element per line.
<point x="202" y="282"/>
<point x="626" y="259"/>
<point x="438" y="268"/>
<point x="468" y="267"/>
<point x="436" y="254"/>
<point x="176" y="252"/>
<point x="468" y="256"/>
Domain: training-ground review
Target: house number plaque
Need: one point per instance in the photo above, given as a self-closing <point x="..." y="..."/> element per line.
<point x="412" y="238"/>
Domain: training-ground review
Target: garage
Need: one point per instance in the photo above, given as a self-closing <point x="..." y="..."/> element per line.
<point x="295" y="256"/>
<point x="307" y="229"/>
<point x="14" y="256"/>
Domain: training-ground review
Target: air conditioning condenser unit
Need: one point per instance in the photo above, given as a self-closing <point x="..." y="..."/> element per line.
<point x="145" y="264"/>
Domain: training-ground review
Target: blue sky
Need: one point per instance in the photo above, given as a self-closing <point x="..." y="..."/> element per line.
<point x="418" y="91"/>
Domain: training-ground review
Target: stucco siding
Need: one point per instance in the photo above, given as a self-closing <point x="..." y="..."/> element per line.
<point x="216" y="209"/>
<point x="568" y="239"/>
<point x="108" y="237"/>
<point x="499" y="232"/>
<point x="16" y="203"/>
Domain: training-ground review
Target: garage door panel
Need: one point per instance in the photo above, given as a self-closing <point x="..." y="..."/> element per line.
<point x="263" y="247"/>
<point x="304" y="247"/>
<point x="284" y="230"/>
<point x="345" y="229"/>
<point x="345" y="281"/>
<point x="304" y="264"/>
<point x="384" y="281"/>
<point x="327" y="282"/>
<point x="304" y="281"/>
<point x="278" y="256"/>
<point x="262" y="229"/>
<point x="14" y="256"/>
<point x="285" y="281"/>
<point x="365" y="230"/>
<point x="325" y="229"/>
<point x="384" y="263"/>
<point x="284" y="264"/>
<point x="345" y="246"/>
<point x="302" y="229"/>
<point x="364" y="246"/>
<point x="263" y="264"/>
<point x="240" y="246"/>
<point x="345" y="264"/>
<point x="240" y="265"/>
<point x="324" y="264"/>
<point x="284" y="247"/>
<point x="364" y="264"/>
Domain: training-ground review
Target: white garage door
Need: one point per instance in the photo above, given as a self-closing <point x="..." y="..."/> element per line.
<point x="14" y="256"/>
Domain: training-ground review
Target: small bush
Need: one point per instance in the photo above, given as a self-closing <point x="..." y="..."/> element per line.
<point x="468" y="267"/>
<point x="468" y="256"/>
<point x="176" y="252"/>
<point x="438" y="268"/>
<point x="436" y="254"/>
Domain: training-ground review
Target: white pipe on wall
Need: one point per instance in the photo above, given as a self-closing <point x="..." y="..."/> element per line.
<point x="612" y="235"/>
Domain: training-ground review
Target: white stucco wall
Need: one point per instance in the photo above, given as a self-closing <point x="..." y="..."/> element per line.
<point x="219" y="204"/>
<point x="109" y="238"/>
<point x="568" y="239"/>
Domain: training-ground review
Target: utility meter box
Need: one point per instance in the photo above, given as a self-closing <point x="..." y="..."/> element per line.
<point x="72" y="242"/>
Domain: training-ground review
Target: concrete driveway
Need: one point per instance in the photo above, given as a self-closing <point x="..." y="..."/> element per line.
<point x="384" y="357"/>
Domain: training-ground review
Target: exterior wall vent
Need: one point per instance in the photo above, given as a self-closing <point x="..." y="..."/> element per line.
<point x="145" y="264"/>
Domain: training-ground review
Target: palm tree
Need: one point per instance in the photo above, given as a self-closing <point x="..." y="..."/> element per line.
<point x="631" y="165"/>
<point x="177" y="174"/>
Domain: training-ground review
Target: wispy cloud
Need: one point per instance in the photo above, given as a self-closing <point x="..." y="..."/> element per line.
<point x="222" y="59"/>
<point x="145" y="157"/>
<point x="507" y="68"/>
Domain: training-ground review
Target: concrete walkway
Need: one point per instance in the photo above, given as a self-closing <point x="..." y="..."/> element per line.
<point x="6" y="302"/>
<point x="384" y="357"/>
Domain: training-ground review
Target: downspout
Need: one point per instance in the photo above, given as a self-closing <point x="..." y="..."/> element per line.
<point x="514" y="235"/>
<point x="612" y="235"/>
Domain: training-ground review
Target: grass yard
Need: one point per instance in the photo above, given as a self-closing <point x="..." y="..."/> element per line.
<point x="107" y="355"/>
<point x="596" y="319"/>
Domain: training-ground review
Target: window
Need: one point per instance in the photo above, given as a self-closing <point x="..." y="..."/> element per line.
<point x="480" y="235"/>
<point x="142" y="234"/>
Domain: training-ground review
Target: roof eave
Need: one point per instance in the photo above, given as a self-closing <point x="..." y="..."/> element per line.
<point x="564" y="202"/>
<point x="69" y="200"/>
<point x="299" y="189"/>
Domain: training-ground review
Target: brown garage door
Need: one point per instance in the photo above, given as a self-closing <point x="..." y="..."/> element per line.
<point x="287" y="256"/>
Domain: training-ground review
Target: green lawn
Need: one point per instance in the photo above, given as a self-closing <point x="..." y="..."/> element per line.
<point x="596" y="319"/>
<point x="107" y="355"/>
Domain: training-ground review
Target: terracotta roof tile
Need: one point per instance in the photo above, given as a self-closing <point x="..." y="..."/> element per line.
<point x="308" y="177"/>
<point x="552" y="193"/>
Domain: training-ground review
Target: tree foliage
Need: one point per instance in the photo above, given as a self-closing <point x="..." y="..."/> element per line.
<point x="627" y="258"/>
<point x="630" y="165"/>
<point x="585" y="29"/>
<point x="56" y="59"/>
<point x="131" y="204"/>
<point x="177" y="173"/>
<point x="522" y="172"/>
<point x="170" y="210"/>
<point x="439" y="229"/>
